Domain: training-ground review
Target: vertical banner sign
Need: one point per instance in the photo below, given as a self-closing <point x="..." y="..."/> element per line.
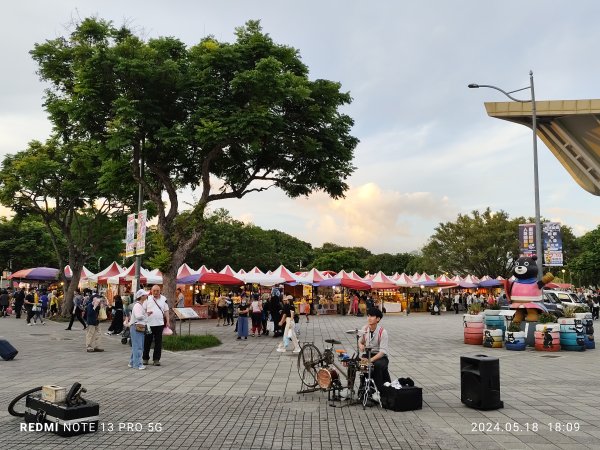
<point x="527" y="239"/>
<point x="141" y="233"/>
<point x="552" y="238"/>
<point x="130" y="236"/>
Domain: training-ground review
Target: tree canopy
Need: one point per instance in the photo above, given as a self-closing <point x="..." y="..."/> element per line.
<point x="226" y="118"/>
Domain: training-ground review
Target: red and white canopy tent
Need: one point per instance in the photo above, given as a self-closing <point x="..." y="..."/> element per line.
<point x="344" y="279"/>
<point x="227" y="270"/>
<point x="424" y="280"/>
<point x="313" y="277"/>
<point x="127" y="275"/>
<point x="285" y="273"/>
<point x="381" y="281"/>
<point x="85" y="273"/>
<point x="404" y="280"/>
<point x="444" y="282"/>
<point x="103" y="276"/>
<point x="185" y="271"/>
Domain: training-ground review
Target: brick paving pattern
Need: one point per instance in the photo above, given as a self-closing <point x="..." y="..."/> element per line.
<point x="242" y="395"/>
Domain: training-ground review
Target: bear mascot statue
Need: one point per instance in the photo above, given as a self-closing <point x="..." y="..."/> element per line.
<point x="527" y="289"/>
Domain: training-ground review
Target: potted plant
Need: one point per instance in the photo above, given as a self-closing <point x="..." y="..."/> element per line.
<point x="493" y="309"/>
<point x="581" y="312"/>
<point x="547" y="336"/>
<point x="515" y="338"/>
<point x="473" y="325"/>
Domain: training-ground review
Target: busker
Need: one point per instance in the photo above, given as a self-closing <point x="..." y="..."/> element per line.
<point x="376" y="338"/>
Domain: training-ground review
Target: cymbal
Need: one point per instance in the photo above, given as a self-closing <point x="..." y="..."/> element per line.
<point x="355" y="332"/>
<point x="332" y="341"/>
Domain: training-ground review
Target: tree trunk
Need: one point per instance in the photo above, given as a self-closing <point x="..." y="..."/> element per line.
<point x="76" y="267"/>
<point x="170" y="283"/>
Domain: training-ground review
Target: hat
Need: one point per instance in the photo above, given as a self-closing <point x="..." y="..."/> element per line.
<point x="141" y="292"/>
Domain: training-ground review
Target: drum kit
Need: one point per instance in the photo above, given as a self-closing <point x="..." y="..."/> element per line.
<point x="320" y="371"/>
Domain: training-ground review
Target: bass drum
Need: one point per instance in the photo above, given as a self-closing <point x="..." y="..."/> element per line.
<point x="326" y="376"/>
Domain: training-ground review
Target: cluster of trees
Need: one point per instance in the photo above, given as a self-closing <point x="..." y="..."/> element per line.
<point x="222" y="118"/>
<point x="477" y="243"/>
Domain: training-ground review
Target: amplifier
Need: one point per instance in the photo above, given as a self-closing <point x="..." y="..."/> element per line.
<point x="61" y="419"/>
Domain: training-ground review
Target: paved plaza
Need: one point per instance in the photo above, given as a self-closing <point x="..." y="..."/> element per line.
<point x="242" y="394"/>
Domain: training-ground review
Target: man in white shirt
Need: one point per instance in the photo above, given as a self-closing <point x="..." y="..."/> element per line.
<point x="156" y="303"/>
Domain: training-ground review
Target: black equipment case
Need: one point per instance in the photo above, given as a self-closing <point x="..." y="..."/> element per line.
<point x="60" y="418"/>
<point x="7" y="351"/>
<point x="408" y="398"/>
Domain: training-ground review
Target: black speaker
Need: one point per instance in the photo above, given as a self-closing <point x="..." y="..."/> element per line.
<point x="480" y="382"/>
<point x="7" y="351"/>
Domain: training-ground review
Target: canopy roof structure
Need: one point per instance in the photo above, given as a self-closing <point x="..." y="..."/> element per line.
<point x="112" y="270"/>
<point x="344" y="279"/>
<point x="569" y="128"/>
<point x="36" y="273"/>
<point x="85" y="273"/>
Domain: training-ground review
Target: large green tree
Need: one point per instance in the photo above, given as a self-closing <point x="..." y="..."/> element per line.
<point x="55" y="182"/>
<point x="585" y="267"/>
<point x="226" y="118"/>
<point x="25" y="243"/>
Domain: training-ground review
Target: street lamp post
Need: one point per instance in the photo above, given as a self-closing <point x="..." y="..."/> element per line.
<point x="538" y="225"/>
<point x="99" y="259"/>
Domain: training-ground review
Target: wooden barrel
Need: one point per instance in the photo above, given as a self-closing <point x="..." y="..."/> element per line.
<point x="473" y="329"/>
<point x="492" y="338"/>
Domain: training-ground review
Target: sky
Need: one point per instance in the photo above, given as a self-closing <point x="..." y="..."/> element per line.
<point x="427" y="152"/>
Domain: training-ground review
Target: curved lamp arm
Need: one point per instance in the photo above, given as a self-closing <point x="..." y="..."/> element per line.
<point x="475" y="86"/>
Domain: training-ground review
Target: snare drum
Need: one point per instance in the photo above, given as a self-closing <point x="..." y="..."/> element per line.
<point x="326" y="376"/>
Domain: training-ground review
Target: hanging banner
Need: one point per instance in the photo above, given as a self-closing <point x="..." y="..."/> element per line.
<point x="140" y="247"/>
<point x="527" y="239"/>
<point x="553" y="249"/>
<point x="130" y="236"/>
<point x="551" y="238"/>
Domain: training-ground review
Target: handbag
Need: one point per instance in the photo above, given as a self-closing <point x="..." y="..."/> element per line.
<point x="102" y="314"/>
<point x="167" y="331"/>
<point x="270" y="325"/>
<point x="140" y="327"/>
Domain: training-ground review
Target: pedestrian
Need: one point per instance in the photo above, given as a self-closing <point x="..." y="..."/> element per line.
<point x="4" y="302"/>
<point x="19" y="302"/>
<point x="92" y="337"/>
<point x="256" y="310"/>
<point x="29" y="304"/>
<point x="265" y="312"/>
<point x="44" y="304"/>
<point x="156" y="303"/>
<point x="275" y="308"/>
<point x="456" y="303"/>
<point x="137" y="326"/>
<point x="77" y="310"/>
<point x="37" y="309"/>
<point x="287" y="320"/>
<point x="116" y="326"/>
<point x="242" y="322"/>
<point x="304" y="308"/>
<point x="221" y="310"/>
<point x="53" y="301"/>
<point x="230" y="309"/>
<point x="595" y="307"/>
<point x="180" y="298"/>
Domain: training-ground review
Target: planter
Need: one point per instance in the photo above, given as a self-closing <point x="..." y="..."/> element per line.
<point x="472" y="318"/>
<point x="495" y="322"/>
<point x="587" y="315"/>
<point x="571" y="336"/>
<point x="473" y="333"/>
<point x="515" y="340"/>
<point x="547" y="338"/>
<point x="473" y="329"/>
<point x="492" y="338"/>
<point x="492" y="312"/>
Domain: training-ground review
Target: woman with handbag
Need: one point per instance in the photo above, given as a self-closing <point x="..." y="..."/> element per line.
<point x="137" y="325"/>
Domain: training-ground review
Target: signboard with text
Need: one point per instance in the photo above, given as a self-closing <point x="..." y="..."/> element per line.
<point x="130" y="236"/>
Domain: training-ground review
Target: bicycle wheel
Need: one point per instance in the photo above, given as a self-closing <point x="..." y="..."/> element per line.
<point x="309" y="360"/>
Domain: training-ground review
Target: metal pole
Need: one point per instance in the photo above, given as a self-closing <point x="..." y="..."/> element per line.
<point x="138" y="258"/>
<point x="539" y="246"/>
